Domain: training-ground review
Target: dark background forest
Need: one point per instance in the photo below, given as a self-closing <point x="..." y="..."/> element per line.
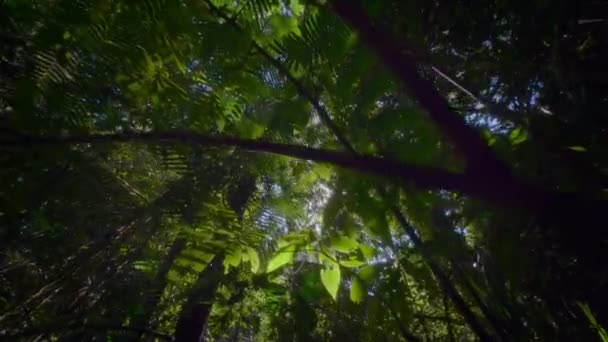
<point x="297" y="170"/>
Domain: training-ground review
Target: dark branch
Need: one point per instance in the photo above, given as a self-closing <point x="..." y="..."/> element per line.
<point x="420" y="176"/>
<point x="480" y="158"/>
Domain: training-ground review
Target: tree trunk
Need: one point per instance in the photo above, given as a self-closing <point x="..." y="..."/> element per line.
<point x="195" y="311"/>
<point x="158" y="286"/>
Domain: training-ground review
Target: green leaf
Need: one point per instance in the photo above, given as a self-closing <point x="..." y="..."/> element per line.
<point x="330" y="277"/>
<point x="155" y="99"/>
<point x="490" y="138"/>
<point x="283" y="257"/>
<point x="254" y="259"/>
<point x="324" y="171"/>
<point x="300" y="238"/>
<point x="134" y="87"/>
<point x="283" y="25"/>
<point x="179" y="64"/>
<point x="367" y="251"/>
<point x="250" y="130"/>
<point x="233" y="259"/>
<point x="368" y="273"/>
<point x="287" y="207"/>
<point x="297" y="8"/>
<point x="143" y="266"/>
<point x="593" y="321"/>
<point x="174" y="277"/>
<point x="193" y="254"/>
<point x="356" y="290"/>
<point x="352" y="263"/>
<point x="517" y="136"/>
<point x="326" y="256"/>
<point x="220" y="123"/>
<point x="344" y="244"/>
<point x="577" y="148"/>
<point x="121" y="78"/>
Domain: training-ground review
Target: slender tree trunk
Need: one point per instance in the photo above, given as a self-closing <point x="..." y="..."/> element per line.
<point x="195" y="311"/>
<point x="158" y="286"/>
<point x="443" y="280"/>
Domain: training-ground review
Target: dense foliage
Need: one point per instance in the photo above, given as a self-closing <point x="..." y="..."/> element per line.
<point x="291" y="170"/>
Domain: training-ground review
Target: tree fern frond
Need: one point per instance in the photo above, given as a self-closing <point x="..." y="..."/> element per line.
<point x="48" y="70"/>
<point x="259" y="8"/>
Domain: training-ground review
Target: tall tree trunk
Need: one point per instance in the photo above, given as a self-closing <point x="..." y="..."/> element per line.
<point x="158" y="286"/>
<point x="195" y="312"/>
<point x="448" y="288"/>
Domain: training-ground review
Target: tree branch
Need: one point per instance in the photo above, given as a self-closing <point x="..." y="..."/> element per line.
<point x="420" y="176"/>
<point x="480" y="158"/>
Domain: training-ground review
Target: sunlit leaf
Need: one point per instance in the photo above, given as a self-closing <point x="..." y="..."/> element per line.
<point x="368" y="273"/>
<point x="254" y="260"/>
<point x="197" y="255"/>
<point x="174" y="277"/>
<point x="187" y="266"/>
<point x="344" y="244"/>
<point x="593" y="321"/>
<point x="283" y="25"/>
<point x="250" y="129"/>
<point x="577" y="148"/>
<point x="352" y="263"/>
<point x="233" y="259"/>
<point x="367" y="251"/>
<point x="142" y="266"/>
<point x="281" y="258"/>
<point x="517" y="136"/>
<point x="134" y="87"/>
<point x="220" y="124"/>
<point x="324" y="171"/>
<point x="299" y="238"/>
<point x="488" y="136"/>
<point x="330" y="277"/>
<point x="357" y="290"/>
<point x="288" y="207"/>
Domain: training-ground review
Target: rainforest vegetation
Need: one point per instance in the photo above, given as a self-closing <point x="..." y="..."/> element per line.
<point x="301" y="170"/>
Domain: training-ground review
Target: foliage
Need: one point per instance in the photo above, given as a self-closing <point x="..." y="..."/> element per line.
<point x="299" y="170"/>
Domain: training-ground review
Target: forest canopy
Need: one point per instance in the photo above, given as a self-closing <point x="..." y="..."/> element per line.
<point x="300" y="170"/>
